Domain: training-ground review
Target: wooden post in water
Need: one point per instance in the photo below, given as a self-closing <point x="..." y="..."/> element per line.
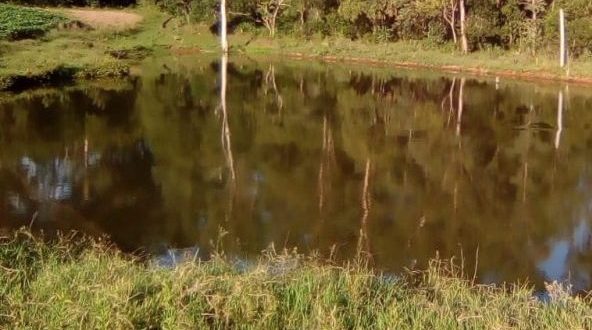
<point x="563" y="52"/>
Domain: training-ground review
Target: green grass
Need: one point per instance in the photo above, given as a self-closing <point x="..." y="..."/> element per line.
<point x="80" y="53"/>
<point x="21" y="22"/>
<point x="83" y="283"/>
<point x="419" y="54"/>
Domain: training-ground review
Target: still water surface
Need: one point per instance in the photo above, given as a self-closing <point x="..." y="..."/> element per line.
<point x="405" y="165"/>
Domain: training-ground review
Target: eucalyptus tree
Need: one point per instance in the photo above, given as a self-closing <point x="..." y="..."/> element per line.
<point x="269" y="11"/>
<point x="223" y="27"/>
<point x="463" y="22"/>
<point x="449" y="8"/>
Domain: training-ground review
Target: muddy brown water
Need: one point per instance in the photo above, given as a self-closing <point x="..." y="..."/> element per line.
<point x="404" y="165"/>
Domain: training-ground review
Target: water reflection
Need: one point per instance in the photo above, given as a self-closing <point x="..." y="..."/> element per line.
<point x="400" y="165"/>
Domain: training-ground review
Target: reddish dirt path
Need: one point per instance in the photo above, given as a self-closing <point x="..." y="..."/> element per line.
<point x="105" y="19"/>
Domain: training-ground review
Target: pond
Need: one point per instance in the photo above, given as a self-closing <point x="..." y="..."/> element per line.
<point x="339" y="159"/>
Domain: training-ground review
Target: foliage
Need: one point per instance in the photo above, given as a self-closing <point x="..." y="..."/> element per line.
<point x="269" y="11"/>
<point x="579" y="24"/>
<point x="21" y="22"/>
<point x="525" y="25"/>
<point x="191" y="10"/>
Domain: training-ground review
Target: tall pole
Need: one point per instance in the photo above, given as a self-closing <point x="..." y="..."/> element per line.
<point x="562" y="38"/>
<point x="223" y="27"/>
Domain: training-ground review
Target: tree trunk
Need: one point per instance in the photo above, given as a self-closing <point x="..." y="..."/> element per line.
<point x="273" y="26"/>
<point x="274" y="18"/>
<point x="534" y="26"/>
<point x="223" y="27"/>
<point x="562" y="56"/>
<point x="303" y="11"/>
<point x="453" y="22"/>
<point x="463" y="34"/>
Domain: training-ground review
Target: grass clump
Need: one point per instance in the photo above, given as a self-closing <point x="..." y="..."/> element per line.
<point x="86" y="283"/>
<point x="23" y="23"/>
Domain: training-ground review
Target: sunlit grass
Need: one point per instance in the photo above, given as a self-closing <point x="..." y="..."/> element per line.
<point x="88" y="53"/>
<point x="85" y="53"/>
<point x="418" y="53"/>
<point x="78" y="282"/>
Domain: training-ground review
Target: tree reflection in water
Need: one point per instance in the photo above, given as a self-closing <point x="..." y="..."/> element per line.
<point x="403" y="165"/>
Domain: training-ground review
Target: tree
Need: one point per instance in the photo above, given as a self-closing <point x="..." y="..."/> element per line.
<point x="449" y="14"/>
<point x="303" y="8"/>
<point x="223" y="27"/>
<point x="269" y="11"/>
<point x="463" y="34"/>
<point x="532" y="26"/>
<point x="381" y="14"/>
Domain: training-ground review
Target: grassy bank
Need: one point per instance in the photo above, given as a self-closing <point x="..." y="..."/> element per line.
<point x="84" y="283"/>
<point x="77" y="50"/>
<point x="74" y="50"/>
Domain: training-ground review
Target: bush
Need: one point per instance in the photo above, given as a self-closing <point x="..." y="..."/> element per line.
<point x="335" y="25"/>
<point x="581" y="34"/>
<point x="22" y="23"/>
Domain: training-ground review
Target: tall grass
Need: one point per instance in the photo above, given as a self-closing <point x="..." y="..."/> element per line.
<point x="84" y="283"/>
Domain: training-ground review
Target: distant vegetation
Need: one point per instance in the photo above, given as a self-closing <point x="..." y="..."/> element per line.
<point x="408" y="32"/>
<point x="88" y="285"/>
<point x="529" y="26"/>
<point x="21" y="22"/>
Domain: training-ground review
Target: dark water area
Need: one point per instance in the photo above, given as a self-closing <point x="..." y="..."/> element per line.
<point x="404" y="165"/>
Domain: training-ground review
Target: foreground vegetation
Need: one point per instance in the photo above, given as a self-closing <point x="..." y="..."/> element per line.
<point x="85" y="283"/>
